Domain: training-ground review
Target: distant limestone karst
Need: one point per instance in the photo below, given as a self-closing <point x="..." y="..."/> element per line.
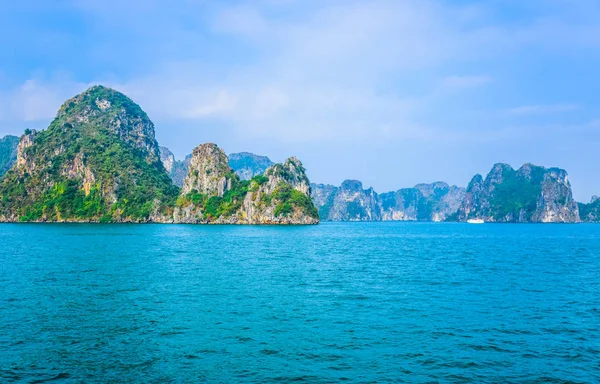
<point x="176" y="169"/>
<point x="531" y="194"/>
<point x="350" y="202"/>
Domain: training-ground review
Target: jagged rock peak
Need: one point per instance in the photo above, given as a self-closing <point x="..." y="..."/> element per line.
<point x="209" y="172"/>
<point x="429" y="189"/>
<point x="497" y="172"/>
<point x="594" y="199"/>
<point x="291" y="171"/>
<point x="103" y="108"/>
<point x="352" y="185"/>
<point x="527" y="169"/>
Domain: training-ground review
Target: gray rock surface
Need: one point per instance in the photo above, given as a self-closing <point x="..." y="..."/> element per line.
<point x="351" y="202"/>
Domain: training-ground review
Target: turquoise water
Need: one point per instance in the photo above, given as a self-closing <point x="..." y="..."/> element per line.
<point x="363" y="302"/>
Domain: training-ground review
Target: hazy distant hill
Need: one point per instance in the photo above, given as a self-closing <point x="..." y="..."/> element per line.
<point x="8" y="153"/>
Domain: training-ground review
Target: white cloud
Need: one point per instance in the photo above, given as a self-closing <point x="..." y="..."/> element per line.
<point x="308" y="70"/>
<point x="36" y="100"/>
<point x="219" y="103"/>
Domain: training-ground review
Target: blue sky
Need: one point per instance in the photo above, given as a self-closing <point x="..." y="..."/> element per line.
<point x="390" y="92"/>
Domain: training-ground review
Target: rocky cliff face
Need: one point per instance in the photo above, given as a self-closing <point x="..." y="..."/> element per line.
<point x="209" y="172"/>
<point x="26" y="141"/>
<point x="213" y="193"/>
<point x="176" y="169"/>
<point x="529" y="194"/>
<point x="97" y="161"/>
<point x="8" y="153"/>
<point x="403" y="205"/>
<point x="247" y="165"/>
<point x="425" y="202"/>
<point x="350" y="202"/>
<point x="322" y="196"/>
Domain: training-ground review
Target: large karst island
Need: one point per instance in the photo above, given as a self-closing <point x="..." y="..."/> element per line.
<point x="99" y="161"/>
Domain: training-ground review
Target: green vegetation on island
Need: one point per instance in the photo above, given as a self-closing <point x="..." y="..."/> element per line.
<point x="99" y="161"/>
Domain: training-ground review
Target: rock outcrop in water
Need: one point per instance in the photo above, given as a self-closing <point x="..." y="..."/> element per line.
<point x="8" y="153"/>
<point x="213" y="193"/>
<point x="530" y="194"/>
<point x="350" y="202"/>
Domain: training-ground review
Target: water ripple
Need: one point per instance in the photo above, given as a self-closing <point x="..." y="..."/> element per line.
<point x="353" y="302"/>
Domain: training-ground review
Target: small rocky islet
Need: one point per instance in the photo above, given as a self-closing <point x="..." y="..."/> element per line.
<point x="99" y="161"/>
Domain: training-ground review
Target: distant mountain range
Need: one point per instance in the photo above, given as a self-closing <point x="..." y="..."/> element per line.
<point x="350" y="202"/>
<point x="98" y="161"/>
<point x="531" y="194"/>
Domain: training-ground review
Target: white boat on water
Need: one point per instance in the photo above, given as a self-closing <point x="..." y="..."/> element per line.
<point x="475" y="221"/>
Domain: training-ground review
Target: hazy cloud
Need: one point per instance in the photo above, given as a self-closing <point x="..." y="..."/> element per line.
<point x="466" y="81"/>
<point x="542" y="109"/>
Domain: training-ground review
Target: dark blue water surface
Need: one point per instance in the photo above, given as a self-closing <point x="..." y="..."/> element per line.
<point x="362" y="302"/>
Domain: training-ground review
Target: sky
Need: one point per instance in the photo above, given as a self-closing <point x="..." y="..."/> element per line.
<point x="389" y="92"/>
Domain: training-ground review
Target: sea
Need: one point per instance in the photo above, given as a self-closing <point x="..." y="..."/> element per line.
<point x="390" y="302"/>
